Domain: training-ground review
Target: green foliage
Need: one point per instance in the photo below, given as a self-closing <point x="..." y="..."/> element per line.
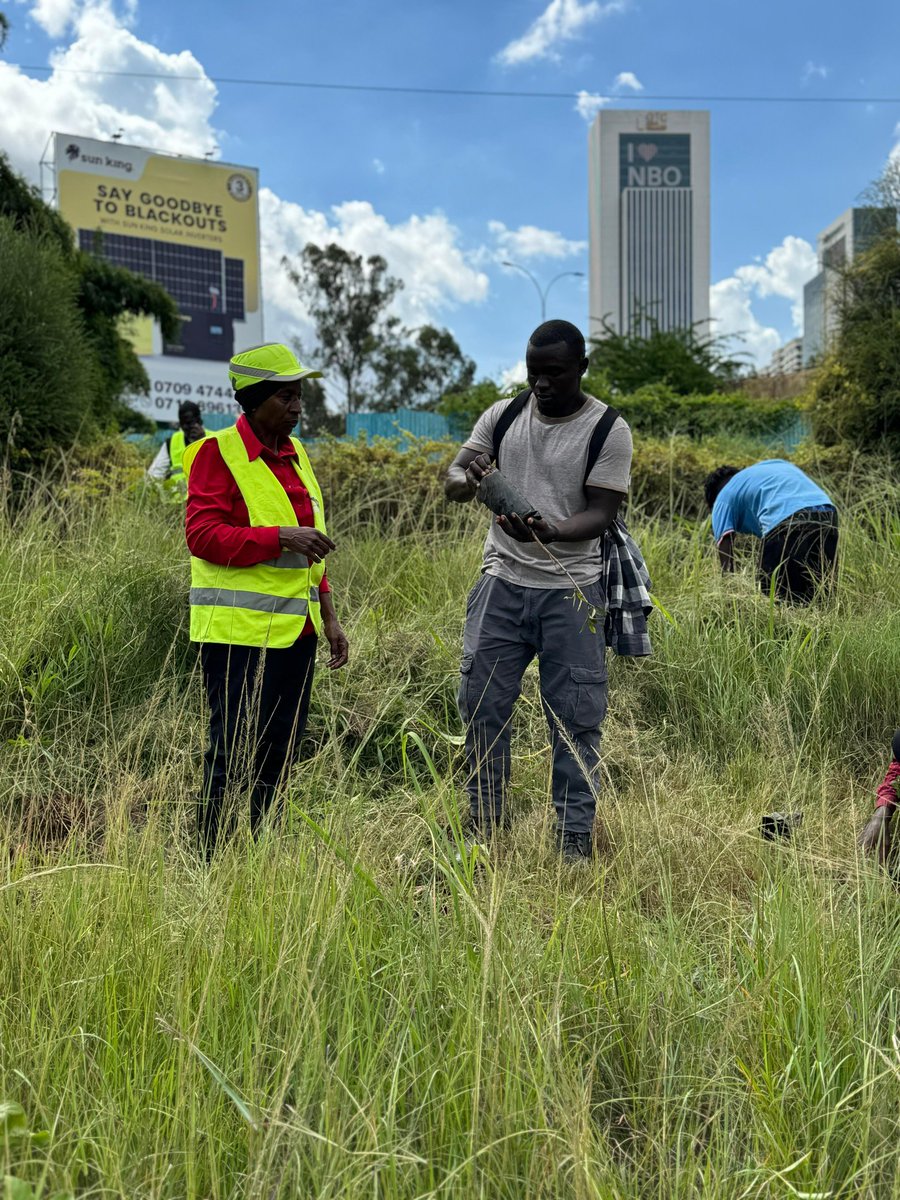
<point x="389" y="482"/>
<point x="103" y="295"/>
<point x="465" y="407"/>
<point x="855" y="396"/>
<point x="683" y="359"/>
<point x="381" y="365"/>
<point x="316" y="418"/>
<point x="655" y="410"/>
<point x="47" y="378"/>
<point x="417" y="373"/>
<point x="658" y="410"/>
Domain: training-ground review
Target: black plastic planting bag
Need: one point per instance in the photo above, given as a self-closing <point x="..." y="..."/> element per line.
<point x="502" y="497"/>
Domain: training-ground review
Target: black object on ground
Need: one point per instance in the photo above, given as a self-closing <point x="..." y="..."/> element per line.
<point x="780" y="825"/>
<point x="502" y="497"/>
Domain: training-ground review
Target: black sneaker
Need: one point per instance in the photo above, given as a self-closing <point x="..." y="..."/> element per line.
<point x="575" y="847"/>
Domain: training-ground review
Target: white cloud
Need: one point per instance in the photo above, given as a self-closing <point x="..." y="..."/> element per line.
<point x="628" y="79"/>
<point x="813" y="71"/>
<point x="378" y="166"/>
<point x="561" y="21"/>
<point x="54" y="16"/>
<point x="733" y="317"/>
<point x="588" y="104"/>
<point x="782" y="273"/>
<point x="513" y="375"/>
<point x="528" y="241"/>
<point x="423" y="251"/>
<point x="168" y="113"/>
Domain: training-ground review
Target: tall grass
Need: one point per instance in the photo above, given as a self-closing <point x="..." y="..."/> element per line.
<point x="341" y="1010"/>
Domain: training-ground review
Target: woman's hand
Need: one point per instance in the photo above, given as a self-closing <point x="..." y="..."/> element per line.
<point x="304" y="539"/>
<point x="337" y="640"/>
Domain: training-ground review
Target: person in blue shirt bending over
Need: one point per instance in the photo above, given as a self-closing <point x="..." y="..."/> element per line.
<point x="795" y="520"/>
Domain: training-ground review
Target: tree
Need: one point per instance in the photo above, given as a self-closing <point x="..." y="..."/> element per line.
<point x="104" y="294"/>
<point x="464" y="408"/>
<point x="315" y="419"/>
<point x="380" y="363"/>
<point x="419" y="372"/>
<point x="348" y="300"/>
<point x="856" y="394"/>
<point x="47" y="380"/>
<point x="688" y="361"/>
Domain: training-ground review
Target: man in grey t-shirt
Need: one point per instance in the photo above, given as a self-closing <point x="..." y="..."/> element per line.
<point x="524" y="603"/>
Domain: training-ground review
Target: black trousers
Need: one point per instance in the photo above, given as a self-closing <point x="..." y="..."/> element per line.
<point x="258" y="706"/>
<point x="800" y="553"/>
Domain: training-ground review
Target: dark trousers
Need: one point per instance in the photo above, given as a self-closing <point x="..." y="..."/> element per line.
<point x="506" y="627"/>
<point x="258" y="706"/>
<point x="800" y="554"/>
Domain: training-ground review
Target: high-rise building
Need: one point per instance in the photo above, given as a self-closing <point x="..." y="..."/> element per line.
<point x="853" y="232"/>
<point x="787" y="358"/>
<point x="649" y="220"/>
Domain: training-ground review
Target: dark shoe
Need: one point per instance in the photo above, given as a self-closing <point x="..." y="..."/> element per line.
<point x="575" y="847"/>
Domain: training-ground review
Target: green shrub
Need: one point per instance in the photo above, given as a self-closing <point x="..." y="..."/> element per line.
<point x="856" y="395"/>
<point x="658" y="411"/>
<point x="47" y="379"/>
<point x="400" y="483"/>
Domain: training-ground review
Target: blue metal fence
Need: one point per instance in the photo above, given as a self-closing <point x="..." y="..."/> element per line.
<point x="402" y="421"/>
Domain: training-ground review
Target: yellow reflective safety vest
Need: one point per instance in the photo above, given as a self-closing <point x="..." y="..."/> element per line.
<point x="176" y="454"/>
<point x="266" y="604"/>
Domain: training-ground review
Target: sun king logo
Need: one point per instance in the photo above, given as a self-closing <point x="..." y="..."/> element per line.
<point x="74" y="153"/>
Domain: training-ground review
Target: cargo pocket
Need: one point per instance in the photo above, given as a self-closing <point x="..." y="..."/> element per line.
<point x="462" y="700"/>
<point x="587" y="698"/>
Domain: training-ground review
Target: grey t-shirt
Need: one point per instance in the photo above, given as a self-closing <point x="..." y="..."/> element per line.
<point x="545" y="457"/>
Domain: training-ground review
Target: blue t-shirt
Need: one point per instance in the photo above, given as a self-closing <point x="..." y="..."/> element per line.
<point x="762" y="496"/>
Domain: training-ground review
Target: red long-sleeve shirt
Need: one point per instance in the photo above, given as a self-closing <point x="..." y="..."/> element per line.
<point x="887" y="795"/>
<point x="217" y="524"/>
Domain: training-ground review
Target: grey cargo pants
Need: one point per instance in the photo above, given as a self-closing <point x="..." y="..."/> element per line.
<point x="506" y="626"/>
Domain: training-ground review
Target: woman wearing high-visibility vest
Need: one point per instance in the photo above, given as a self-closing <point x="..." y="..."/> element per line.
<point x="255" y="528"/>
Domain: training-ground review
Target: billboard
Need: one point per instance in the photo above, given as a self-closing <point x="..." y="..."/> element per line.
<point x="192" y="226"/>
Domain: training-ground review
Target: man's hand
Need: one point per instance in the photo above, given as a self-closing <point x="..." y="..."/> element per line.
<point x="535" y="528"/>
<point x="477" y="469"/>
<point x="875" y="839"/>
<point x="304" y="539"/>
<point x="464" y="475"/>
<point x="337" y="640"/>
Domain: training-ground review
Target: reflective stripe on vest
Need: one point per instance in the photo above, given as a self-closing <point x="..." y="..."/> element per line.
<point x="176" y="454"/>
<point x="266" y="604"/>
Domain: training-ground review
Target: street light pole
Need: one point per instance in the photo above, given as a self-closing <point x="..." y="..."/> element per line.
<point x="542" y="292"/>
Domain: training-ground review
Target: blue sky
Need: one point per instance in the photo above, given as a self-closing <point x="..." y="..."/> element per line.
<point x="446" y="187"/>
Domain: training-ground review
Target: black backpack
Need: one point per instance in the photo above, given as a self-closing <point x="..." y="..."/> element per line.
<point x="599" y="433"/>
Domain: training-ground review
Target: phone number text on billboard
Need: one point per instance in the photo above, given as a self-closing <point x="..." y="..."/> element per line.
<point x="168" y="394"/>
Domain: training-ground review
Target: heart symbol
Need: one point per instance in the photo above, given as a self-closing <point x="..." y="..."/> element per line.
<point x="647" y="150"/>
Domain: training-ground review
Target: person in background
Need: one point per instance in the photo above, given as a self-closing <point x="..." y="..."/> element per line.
<point x="522" y="606"/>
<point x="168" y="461"/>
<point x="794" y="518"/>
<point x="255" y="527"/>
<point x="875" y="838"/>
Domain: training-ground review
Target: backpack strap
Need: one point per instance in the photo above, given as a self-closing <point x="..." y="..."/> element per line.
<point x="598" y="438"/>
<point x="506" y="419"/>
